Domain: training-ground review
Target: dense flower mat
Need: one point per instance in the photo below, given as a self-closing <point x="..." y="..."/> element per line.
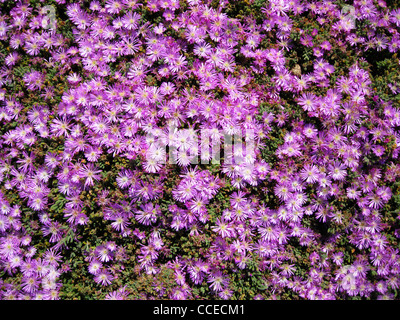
<point x="123" y="167"/>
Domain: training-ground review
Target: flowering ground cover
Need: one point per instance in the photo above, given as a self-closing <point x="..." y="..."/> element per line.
<point x="196" y="149"/>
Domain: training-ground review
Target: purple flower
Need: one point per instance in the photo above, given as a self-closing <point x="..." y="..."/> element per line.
<point x="103" y="277"/>
<point x="90" y="174"/>
<point x="217" y="281"/>
<point x="95" y="267"/>
<point x="223" y="228"/>
<point x="103" y="253"/>
<point x="54" y="229"/>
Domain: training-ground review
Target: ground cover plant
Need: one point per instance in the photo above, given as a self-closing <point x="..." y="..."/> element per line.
<point x="195" y="149"/>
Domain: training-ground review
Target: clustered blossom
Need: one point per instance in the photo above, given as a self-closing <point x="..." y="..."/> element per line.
<point x="162" y="99"/>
